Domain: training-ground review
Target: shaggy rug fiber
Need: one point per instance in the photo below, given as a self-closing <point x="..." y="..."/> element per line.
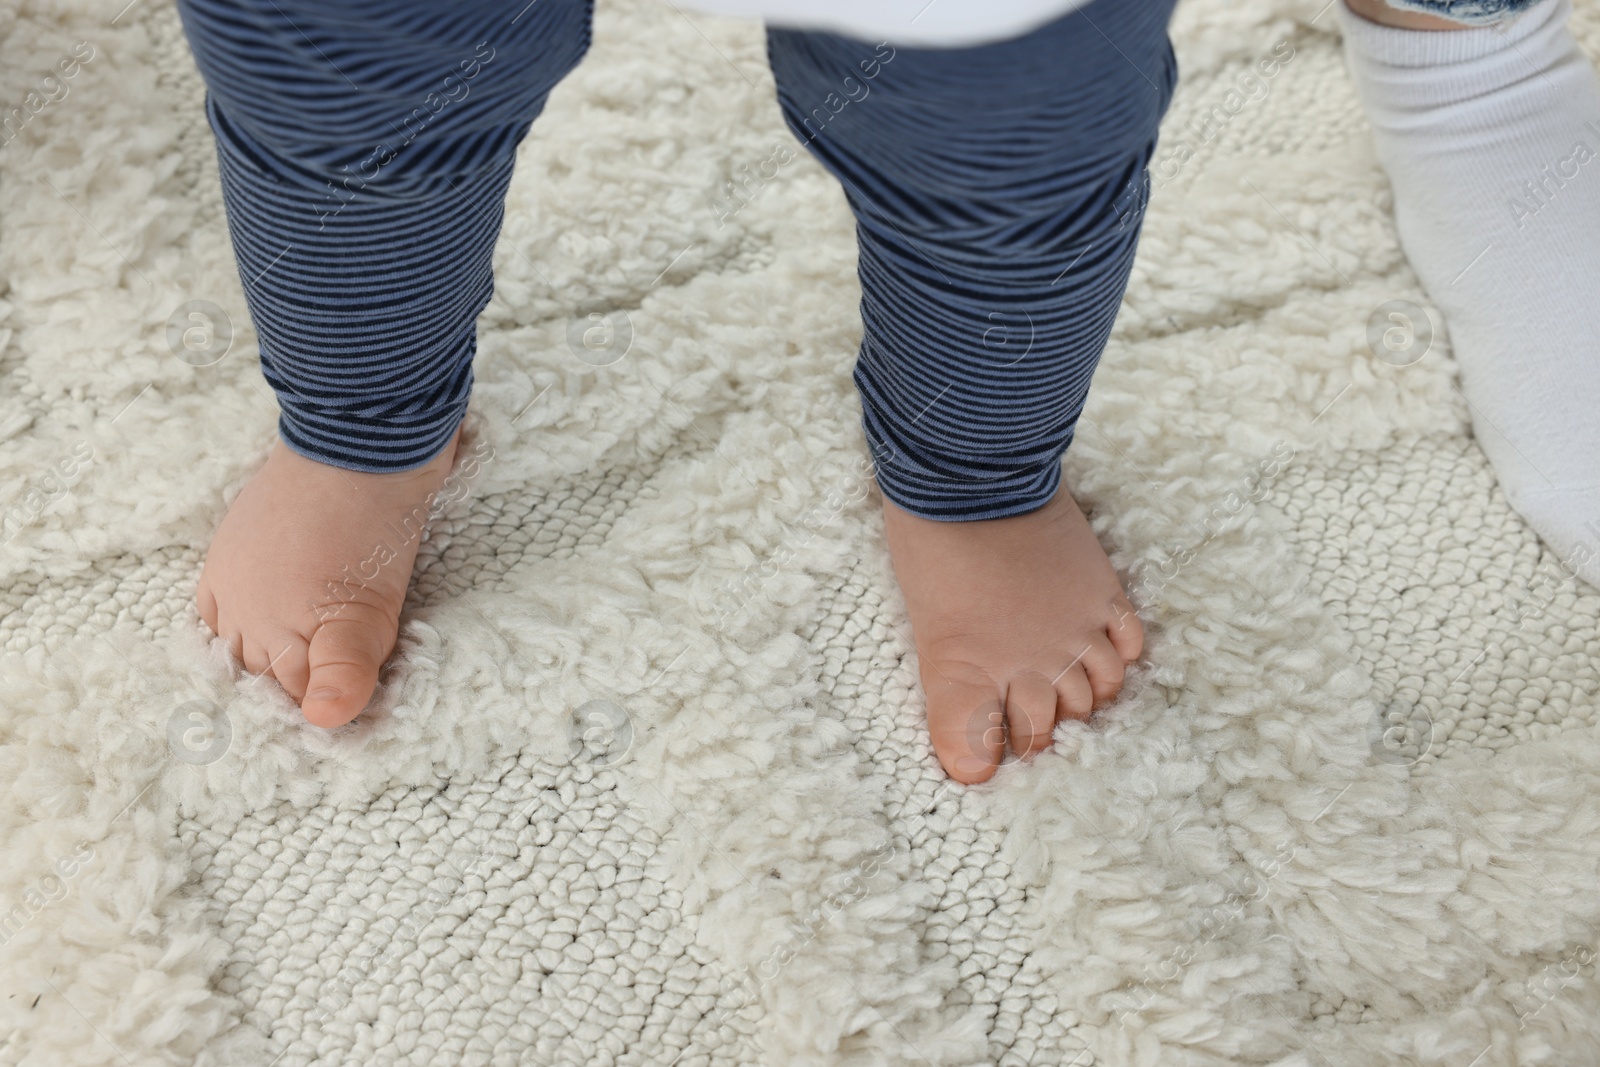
<point x="647" y="782"/>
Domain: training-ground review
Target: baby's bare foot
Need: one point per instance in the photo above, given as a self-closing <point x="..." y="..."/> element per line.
<point x="1018" y="622"/>
<point x="308" y="572"/>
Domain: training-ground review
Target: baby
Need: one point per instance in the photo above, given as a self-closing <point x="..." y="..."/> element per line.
<point x="995" y="158"/>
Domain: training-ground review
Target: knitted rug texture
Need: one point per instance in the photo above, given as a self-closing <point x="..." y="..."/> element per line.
<point x="647" y="781"/>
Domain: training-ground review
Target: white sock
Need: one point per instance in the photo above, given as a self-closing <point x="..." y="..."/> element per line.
<point x="1491" y="137"/>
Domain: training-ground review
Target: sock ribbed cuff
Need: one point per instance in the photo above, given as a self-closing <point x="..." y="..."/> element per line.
<point x="1395" y="47"/>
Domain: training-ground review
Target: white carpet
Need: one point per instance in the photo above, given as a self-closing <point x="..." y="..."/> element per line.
<point x="648" y="782"/>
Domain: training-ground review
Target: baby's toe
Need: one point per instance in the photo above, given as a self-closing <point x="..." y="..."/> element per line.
<point x="256" y="658"/>
<point x="1031" y="709"/>
<point x="1125" y="631"/>
<point x="206" y="601"/>
<point x="967" y="724"/>
<point x="1105" y="668"/>
<point x="344" y="658"/>
<point x="291" y="664"/>
<point x="230" y="632"/>
<point x="1075" y="693"/>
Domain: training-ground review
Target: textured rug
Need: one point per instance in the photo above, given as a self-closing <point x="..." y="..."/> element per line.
<point x="647" y="782"/>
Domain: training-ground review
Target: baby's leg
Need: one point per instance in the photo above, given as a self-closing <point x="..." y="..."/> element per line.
<point x="998" y="193"/>
<point x="365" y="151"/>
<point x="1491" y="137"/>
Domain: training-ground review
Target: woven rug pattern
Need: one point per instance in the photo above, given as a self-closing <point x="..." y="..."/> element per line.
<point x="647" y="781"/>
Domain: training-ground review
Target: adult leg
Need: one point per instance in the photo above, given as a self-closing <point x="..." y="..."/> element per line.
<point x="998" y="192"/>
<point x="1382" y="11"/>
<point x="1490" y="134"/>
<point x="365" y="150"/>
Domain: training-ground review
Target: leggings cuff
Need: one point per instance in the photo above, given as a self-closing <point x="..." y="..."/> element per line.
<point x="915" y="487"/>
<point x="370" y="446"/>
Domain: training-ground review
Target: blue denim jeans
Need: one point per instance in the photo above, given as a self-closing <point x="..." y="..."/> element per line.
<point x="1466" y="12"/>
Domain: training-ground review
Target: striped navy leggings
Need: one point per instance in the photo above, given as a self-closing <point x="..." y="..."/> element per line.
<point x="998" y="192"/>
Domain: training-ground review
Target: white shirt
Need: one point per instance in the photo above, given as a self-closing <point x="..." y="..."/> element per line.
<point x="928" y="23"/>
